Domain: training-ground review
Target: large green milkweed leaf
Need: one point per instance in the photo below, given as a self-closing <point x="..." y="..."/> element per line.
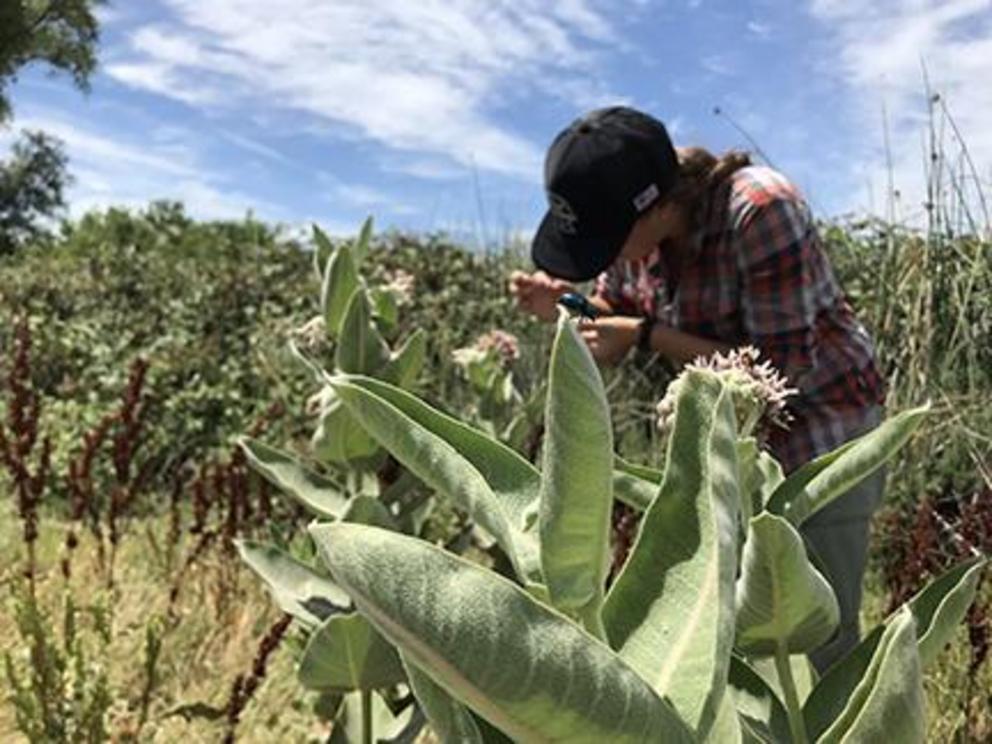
<point x="726" y="728"/>
<point x="361" y="348"/>
<point x="888" y="703"/>
<point x="521" y="665"/>
<point x="497" y="487"/>
<point x="364" y="241"/>
<point x="407" y="361"/>
<point x="321" y="253"/>
<point x="320" y="495"/>
<point x="338" y="437"/>
<point x="633" y="491"/>
<point x="781" y="599"/>
<point x="339" y="284"/>
<point x="295" y="587"/>
<point x="938" y="610"/>
<point x="384" y="307"/>
<point x="346" y="653"/>
<point x="829" y="698"/>
<point x="763" y="716"/>
<point x="577" y="480"/>
<point x="803" y="674"/>
<point x="670" y="612"/>
<point x="760" y="475"/>
<point x="449" y="719"/>
<point x="387" y="727"/>
<point x="305" y="363"/>
<point x="818" y="483"/>
<point x="940" y="607"/>
<point x="635" y="485"/>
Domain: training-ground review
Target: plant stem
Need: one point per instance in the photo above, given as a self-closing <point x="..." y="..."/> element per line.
<point x="796" y="723"/>
<point x="367" y="717"/>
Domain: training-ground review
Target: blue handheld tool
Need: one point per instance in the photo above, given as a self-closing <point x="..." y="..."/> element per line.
<point x="579" y="304"/>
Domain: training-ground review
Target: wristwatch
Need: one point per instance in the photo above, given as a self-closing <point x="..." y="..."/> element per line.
<point x="644" y="333"/>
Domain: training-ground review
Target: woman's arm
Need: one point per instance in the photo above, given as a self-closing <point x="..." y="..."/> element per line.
<point x="610" y="339"/>
<point x="681" y="347"/>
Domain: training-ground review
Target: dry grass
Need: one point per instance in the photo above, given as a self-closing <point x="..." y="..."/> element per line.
<point x="212" y="638"/>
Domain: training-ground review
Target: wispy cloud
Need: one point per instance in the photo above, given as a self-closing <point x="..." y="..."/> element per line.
<point x="883" y="48"/>
<point x="363" y="196"/>
<point x="717" y="64"/>
<point x="258" y="148"/>
<point x="423" y="78"/>
<point x="760" y="29"/>
<point x="110" y="170"/>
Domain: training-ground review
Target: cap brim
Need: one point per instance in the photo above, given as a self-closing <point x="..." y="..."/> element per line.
<point x="576" y="258"/>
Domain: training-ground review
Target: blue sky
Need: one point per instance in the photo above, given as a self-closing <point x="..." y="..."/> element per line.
<point x="435" y="115"/>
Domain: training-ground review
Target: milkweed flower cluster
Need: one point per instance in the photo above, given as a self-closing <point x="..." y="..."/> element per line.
<point x="759" y="391"/>
<point x="400" y="284"/>
<point x="497" y="345"/>
<point x="505" y="345"/>
<point x="312" y="335"/>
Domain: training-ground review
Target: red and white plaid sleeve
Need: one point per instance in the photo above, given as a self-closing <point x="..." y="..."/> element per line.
<point x="778" y="260"/>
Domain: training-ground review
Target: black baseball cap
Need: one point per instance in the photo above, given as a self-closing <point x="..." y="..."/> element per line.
<point x="601" y="173"/>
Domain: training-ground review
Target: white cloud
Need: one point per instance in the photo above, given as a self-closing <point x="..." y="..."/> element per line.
<point x="759" y="28"/>
<point x="717" y="64"/>
<point x="109" y="170"/>
<point x="258" y="148"/>
<point x="883" y="46"/>
<point x="362" y="196"/>
<point x="424" y="78"/>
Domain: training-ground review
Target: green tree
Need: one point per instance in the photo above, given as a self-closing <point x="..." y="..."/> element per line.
<point x="61" y="33"/>
<point x="32" y="185"/>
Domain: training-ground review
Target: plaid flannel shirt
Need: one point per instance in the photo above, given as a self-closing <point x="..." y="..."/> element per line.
<point x="756" y="273"/>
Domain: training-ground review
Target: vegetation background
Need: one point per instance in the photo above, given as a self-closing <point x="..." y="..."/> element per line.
<point x="208" y="309"/>
<point x="135" y="347"/>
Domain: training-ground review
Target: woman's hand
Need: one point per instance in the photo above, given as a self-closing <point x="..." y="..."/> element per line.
<point x="538" y="293"/>
<point x="610" y="338"/>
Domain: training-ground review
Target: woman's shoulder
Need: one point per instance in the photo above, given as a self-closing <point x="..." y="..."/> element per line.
<point x="759" y="184"/>
<point x="756" y="186"/>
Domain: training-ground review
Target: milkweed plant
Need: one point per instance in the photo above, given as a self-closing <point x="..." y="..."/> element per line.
<point x="701" y="637"/>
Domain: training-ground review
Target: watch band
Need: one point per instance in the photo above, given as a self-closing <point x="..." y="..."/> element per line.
<point x="644" y="333"/>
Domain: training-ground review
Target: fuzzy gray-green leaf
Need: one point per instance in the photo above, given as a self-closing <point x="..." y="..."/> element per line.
<point x="318" y="494"/>
<point x="760" y="476"/>
<point x="339" y="438"/>
<point x="449" y="719"/>
<point x="818" y="483"/>
<point x="346" y="653"/>
<point x="635" y="485"/>
<point x="670" y="612"/>
<point x="339" y="283"/>
<point x="406" y="362"/>
<point x="576" y="482"/>
<point x="295" y="586"/>
<point x="763" y="716"/>
<point x="497" y="487"/>
<point x="518" y="663"/>
<point x="940" y="607"/>
<point x="781" y="599"/>
<point x="361" y="348"/>
<point x="888" y="704"/>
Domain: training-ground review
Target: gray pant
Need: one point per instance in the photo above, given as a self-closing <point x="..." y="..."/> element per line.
<point x="839" y="536"/>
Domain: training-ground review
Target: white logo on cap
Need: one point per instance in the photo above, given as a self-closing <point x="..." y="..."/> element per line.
<point x="646" y="197"/>
<point x="568" y="221"/>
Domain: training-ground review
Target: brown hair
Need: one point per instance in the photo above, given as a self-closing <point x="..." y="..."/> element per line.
<point x="700" y="173"/>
